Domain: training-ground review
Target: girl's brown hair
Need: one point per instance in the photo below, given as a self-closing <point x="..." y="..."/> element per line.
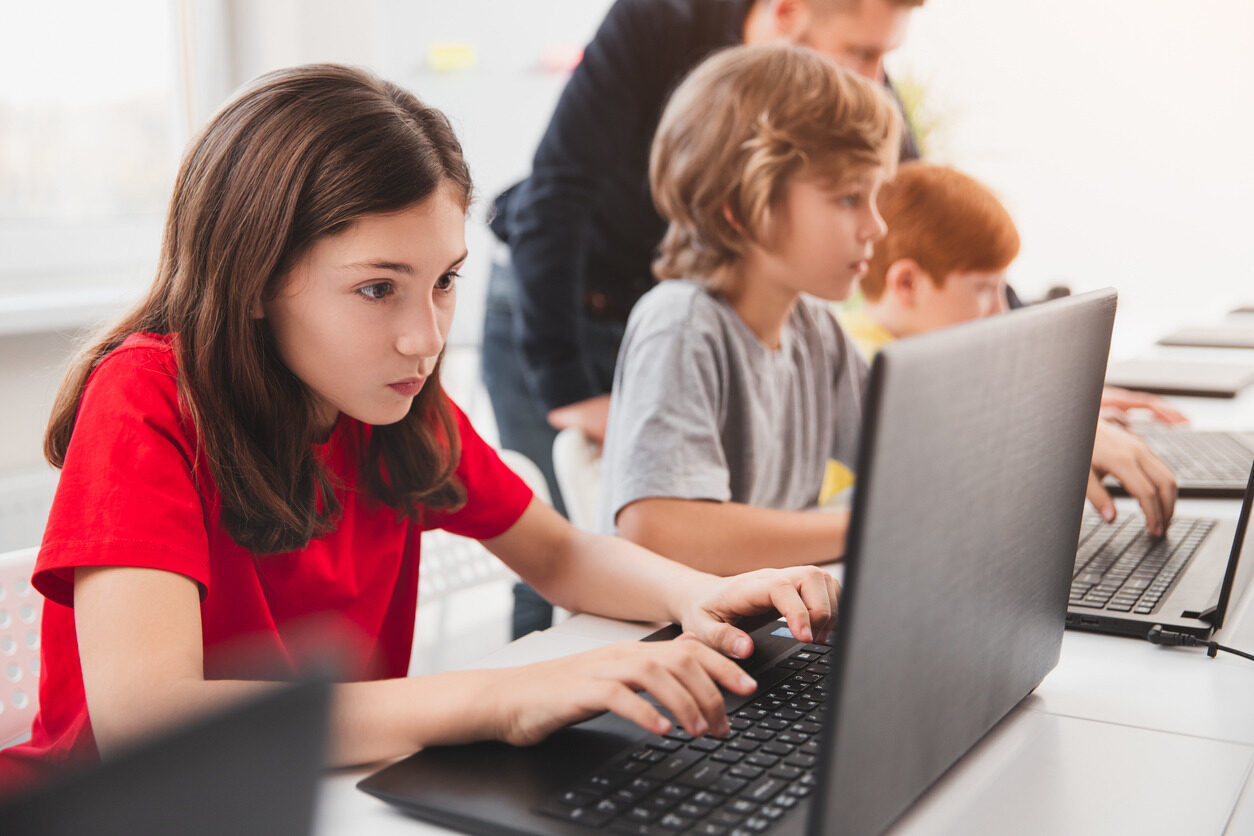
<point x="298" y="155"/>
<point x="738" y="127"/>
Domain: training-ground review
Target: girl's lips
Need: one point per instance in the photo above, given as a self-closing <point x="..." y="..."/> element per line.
<point x="408" y="388"/>
<point x="860" y="266"/>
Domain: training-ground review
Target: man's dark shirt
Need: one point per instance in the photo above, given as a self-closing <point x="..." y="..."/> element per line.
<point x="582" y="228"/>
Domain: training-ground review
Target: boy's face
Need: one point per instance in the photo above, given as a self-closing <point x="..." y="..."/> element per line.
<point x="362" y="317"/>
<point x="824" y="232"/>
<point x="963" y="296"/>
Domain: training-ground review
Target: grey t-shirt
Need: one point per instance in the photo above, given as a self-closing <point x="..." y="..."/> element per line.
<point x="702" y="409"/>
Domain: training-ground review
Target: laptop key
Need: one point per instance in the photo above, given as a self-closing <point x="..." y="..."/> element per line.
<point x="673" y="765"/>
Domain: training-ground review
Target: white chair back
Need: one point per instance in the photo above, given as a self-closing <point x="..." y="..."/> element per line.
<point x="577" y="466"/>
<point x="21" y="608"/>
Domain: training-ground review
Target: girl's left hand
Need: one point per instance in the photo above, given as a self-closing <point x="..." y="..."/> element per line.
<point x="805" y="595"/>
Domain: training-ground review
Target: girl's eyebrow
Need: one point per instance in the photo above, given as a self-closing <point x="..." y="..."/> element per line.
<point x="380" y="264"/>
<point x="396" y="266"/>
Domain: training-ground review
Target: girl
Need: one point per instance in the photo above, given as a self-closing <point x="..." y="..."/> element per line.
<point x="255" y="450"/>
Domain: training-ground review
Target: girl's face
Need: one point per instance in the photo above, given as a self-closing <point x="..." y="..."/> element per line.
<point x="825" y="233"/>
<point x="362" y="317"/>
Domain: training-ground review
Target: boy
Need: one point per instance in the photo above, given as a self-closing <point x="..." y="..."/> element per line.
<point x="733" y="389"/>
<point x="942" y="262"/>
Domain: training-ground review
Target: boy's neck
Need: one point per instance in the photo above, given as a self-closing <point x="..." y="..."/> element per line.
<point x="763" y="304"/>
<point x="888" y="318"/>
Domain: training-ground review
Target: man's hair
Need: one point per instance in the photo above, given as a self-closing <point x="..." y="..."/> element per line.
<point x="943" y="220"/>
<point x="735" y="131"/>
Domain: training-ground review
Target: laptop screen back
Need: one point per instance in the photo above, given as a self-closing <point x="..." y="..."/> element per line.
<point x="971" y="484"/>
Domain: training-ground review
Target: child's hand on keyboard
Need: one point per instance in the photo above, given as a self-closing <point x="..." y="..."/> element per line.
<point x="804" y="595"/>
<point x="683" y="675"/>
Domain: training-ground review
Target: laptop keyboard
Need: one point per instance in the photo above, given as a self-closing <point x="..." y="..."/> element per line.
<point x="1120" y="568"/>
<point x="1196" y="456"/>
<point x="713" y="786"/>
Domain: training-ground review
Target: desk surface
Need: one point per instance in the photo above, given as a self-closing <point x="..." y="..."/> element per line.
<point x="1121" y="737"/>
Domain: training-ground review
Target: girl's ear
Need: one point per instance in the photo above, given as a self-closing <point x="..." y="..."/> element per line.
<point x="258" y="311"/>
<point x="902" y="279"/>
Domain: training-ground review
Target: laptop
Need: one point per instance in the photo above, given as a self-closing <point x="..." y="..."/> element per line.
<point x="1207" y="463"/>
<point x="966" y="511"/>
<point x="1212" y="336"/>
<point x="253" y="769"/>
<point x="1172" y="377"/>
<point x="1125" y="581"/>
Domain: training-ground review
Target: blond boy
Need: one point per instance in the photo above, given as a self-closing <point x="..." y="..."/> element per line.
<point x="733" y="389"/>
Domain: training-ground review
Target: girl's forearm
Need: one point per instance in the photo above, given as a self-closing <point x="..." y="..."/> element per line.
<point x="369" y="721"/>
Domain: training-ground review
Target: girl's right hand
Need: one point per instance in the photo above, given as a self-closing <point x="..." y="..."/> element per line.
<point x="683" y="675"/>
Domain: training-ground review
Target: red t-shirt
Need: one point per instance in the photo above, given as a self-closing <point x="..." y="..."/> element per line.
<point x="127" y="496"/>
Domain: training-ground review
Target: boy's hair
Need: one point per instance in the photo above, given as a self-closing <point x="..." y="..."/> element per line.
<point x="298" y="155"/>
<point x="943" y="220"/>
<point x="734" y="132"/>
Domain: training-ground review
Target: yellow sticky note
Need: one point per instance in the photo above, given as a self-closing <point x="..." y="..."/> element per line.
<point x="449" y="57"/>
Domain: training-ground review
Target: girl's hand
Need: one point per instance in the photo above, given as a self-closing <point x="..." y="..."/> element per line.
<point x="805" y="595"/>
<point x="682" y="675"/>
<point x="1117" y="403"/>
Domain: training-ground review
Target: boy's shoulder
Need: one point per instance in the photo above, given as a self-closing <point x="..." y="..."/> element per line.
<point x="680" y="304"/>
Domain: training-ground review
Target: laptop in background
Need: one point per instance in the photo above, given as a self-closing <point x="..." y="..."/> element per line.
<point x="1227" y="335"/>
<point x="1173" y="377"/>
<point x="253" y="769"/>
<point x="966" y="512"/>
<point x="1207" y="463"/>
<point x="1125" y="581"/>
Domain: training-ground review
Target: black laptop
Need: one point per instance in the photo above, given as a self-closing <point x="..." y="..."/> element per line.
<point x="252" y="769"/>
<point x="1125" y="581"/>
<point x="972" y="472"/>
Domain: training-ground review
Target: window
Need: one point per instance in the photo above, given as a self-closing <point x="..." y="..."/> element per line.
<point x="90" y="129"/>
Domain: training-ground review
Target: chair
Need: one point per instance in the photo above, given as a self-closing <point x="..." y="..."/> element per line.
<point x="452" y="564"/>
<point x="577" y="466"/>
<point x="21" y="608"/>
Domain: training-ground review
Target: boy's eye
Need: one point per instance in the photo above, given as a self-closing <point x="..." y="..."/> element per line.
<point x="447" y="281"/>
<point x="378" y="290"/>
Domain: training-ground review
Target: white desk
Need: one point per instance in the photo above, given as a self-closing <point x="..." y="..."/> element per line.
<point x="1121" y="737"/>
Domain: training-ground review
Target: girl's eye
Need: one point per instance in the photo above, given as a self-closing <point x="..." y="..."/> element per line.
<point x="447" y="281"/>
<point x="851" y="200"/>
<point x="378" y="290"/>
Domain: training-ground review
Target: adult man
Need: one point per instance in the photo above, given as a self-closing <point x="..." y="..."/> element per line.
<point x="582" y="228"/>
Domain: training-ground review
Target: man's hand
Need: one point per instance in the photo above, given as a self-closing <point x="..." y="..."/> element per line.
<point x="590" y="416"/>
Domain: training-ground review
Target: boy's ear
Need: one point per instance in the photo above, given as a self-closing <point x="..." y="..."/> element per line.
<point x="902" y="278"/>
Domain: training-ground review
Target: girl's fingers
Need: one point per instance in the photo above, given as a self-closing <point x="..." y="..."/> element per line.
<point x="660" y="680"/>
<point x="626" y="703"/>
<point x="787" y="600"/>
<point x="819" y="600"/>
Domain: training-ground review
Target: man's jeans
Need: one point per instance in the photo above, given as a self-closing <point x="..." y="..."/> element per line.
<point x="520" y="417"/>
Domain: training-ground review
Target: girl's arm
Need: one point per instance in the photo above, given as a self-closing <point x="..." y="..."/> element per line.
<point x="729" y="537"/>
<point x="142" y="657"/>
<point x="613" y="577"/>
